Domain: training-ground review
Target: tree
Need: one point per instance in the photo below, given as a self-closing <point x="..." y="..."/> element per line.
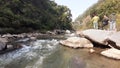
<point x="34" y="14"/>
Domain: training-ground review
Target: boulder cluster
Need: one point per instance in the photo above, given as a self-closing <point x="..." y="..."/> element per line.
<point x="13" y="41"/>
<point x="94" y="37"/>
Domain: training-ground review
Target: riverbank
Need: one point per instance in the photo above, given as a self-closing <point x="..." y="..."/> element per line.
<point x="86" y="39"/>
<point x="48" y="53"/>
<point x="96" y="38"/>
<point x="9" y="42"/>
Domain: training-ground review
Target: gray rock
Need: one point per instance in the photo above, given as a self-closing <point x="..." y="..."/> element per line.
<point x="4" y="40"/>
<point x="67" y="32"/>
<point x="116" y="38"/>
<point x="7" y="35"/>
<point x="76" y="42"/>
<point x="50" y="32"/>
<point x="33" y="38"/>
<point x="2" y="45"/>
<point x="97" y="37"/>
<point x="112" y="53"/>
<point x="9" y="46"/>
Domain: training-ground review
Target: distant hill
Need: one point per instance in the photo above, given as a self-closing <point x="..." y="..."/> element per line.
<point x="101" y="7"/>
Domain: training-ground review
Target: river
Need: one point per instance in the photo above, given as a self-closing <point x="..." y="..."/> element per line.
<point x="48" y="53"/>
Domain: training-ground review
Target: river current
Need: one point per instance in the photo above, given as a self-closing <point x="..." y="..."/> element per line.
<point x="48" y="53"/>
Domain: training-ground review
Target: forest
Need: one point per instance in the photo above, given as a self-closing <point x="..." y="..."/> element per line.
<point x="18" y="16"/>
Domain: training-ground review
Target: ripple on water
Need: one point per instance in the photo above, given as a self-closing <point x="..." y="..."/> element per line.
<point x="29" y="56"/>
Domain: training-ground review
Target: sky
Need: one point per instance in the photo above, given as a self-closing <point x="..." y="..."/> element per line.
<point x="77" y="7"/>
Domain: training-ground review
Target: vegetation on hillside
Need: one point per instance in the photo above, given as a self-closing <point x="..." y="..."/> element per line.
<point x="26" y="15"/>
<point x="101" y="7"/>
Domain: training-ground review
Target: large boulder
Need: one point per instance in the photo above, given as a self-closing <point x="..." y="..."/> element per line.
<point x="95" y="35"/>
<point x="3" y="42"/>
<point x="76" y="42"/>
<point x="114" y="40"/>
<point x="111" y="53"/>
<point x="2" y="46"/>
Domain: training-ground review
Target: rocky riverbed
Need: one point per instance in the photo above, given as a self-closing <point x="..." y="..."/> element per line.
<point x="10" y="42"/>
<point x="97" y="38"/>
<point x="44" y="51"/>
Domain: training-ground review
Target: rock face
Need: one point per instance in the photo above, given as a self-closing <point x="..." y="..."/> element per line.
<point x="76" y="42"/>
<point x="95" y="35"/>
<point x="114" y="40"/>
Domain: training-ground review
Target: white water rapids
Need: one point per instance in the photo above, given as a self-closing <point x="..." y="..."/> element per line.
<point x="29" y="56"/>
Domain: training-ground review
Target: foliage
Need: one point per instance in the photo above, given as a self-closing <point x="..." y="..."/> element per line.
<point x="34" y="14"/>
<point x="102" y="7"/>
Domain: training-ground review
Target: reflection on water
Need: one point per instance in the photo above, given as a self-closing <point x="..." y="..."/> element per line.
<point x="91" y="60"/>
<point x="66" y="58"/>
<point x="49" y="54"/>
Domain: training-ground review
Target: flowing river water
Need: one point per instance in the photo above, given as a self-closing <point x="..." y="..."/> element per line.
<point x="48" y="53"/>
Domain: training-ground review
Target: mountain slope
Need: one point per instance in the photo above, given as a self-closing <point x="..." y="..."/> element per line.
<point x="101" y="7"/>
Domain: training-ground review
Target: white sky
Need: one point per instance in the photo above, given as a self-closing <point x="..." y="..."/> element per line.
<point x="77" y="7"/>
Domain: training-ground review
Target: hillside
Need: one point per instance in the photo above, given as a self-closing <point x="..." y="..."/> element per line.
<point x="29" y="15"/>
<point x="101" y="7"/>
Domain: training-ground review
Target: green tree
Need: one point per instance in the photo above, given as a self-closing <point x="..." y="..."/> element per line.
<point x="34" y="14"/>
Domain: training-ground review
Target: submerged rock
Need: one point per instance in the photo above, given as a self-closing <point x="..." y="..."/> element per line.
<point x="77" y="62"/>
<point x="112" y="53"/>
<point x="92" y="50"/>
<point x="76" y="42"/>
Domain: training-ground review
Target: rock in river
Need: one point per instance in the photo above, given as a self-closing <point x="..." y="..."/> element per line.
<point x="95" y="35"/>
<point x="76" y="42"/>
<point x="114" y="40"/>
<point x="112" y="53"/>
<point x="3" y="42"/>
